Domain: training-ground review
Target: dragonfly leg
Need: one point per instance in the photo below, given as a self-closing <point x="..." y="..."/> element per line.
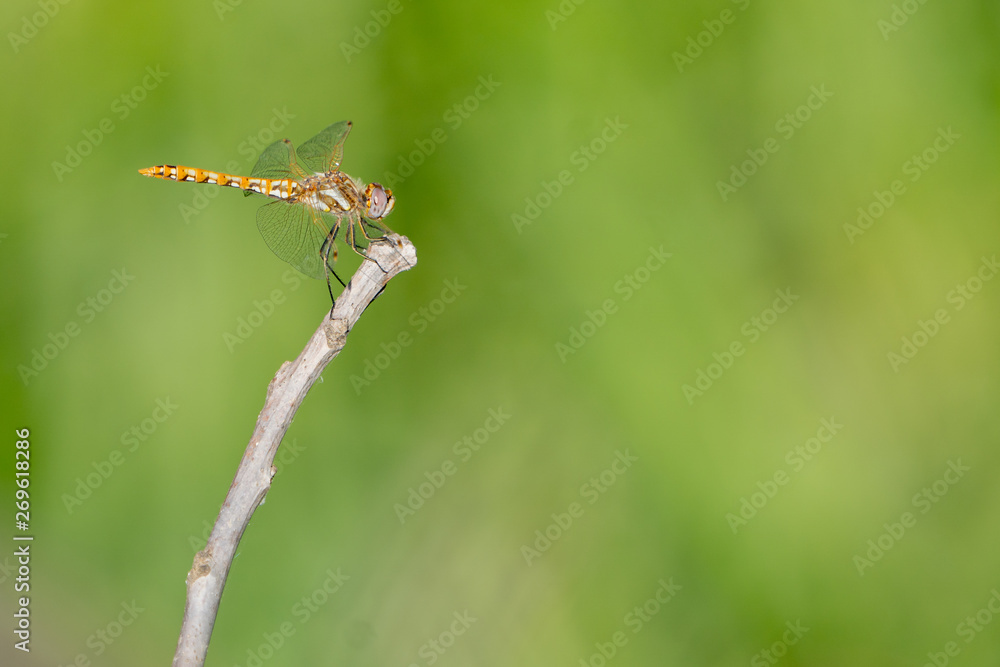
<point x="376" y="226"/>
<point x="330" y="245"/>
<point x="352" y="241"/>
<point x="333" y="302"/>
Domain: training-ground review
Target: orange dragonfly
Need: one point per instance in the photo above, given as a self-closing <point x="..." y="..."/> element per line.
<point x="314" y="199"/>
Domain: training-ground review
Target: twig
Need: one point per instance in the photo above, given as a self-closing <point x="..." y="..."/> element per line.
<point x="285" y="393"/>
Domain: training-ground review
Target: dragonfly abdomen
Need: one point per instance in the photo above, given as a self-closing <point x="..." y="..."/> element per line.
<point x="277" y="188"/>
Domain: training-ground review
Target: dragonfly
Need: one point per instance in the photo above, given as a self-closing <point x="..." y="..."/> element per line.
<point x="314" y="199"/>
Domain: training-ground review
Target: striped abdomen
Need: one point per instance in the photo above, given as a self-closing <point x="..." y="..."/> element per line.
<point x="277" y="188"/>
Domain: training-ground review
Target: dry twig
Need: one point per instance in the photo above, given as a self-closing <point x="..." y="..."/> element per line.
<point x="293" y="380"/>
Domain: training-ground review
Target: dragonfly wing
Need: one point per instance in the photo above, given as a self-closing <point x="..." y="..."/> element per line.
<point x="276" y="162"/>
<point x="296" y="234"/>
<point x="325" y="151"/>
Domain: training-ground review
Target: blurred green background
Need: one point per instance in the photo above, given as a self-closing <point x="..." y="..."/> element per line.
<point x="545" y="157"/>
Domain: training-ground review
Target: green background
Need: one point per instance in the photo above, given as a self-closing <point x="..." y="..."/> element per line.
<point x="355" y="451"/>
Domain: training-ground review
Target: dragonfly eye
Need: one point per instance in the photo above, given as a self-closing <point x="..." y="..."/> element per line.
<point x="380" y="201"/>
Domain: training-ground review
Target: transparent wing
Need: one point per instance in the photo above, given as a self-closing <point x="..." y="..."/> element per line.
<point x="296" y="233"/>
<point x="325" y="151"/>
<point x="277" y="162"/>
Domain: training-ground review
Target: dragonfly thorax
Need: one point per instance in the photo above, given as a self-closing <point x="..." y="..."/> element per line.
<point x="331" y="191"/>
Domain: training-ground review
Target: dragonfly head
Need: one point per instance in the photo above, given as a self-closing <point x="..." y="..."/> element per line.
<point x="378" y="201"/>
